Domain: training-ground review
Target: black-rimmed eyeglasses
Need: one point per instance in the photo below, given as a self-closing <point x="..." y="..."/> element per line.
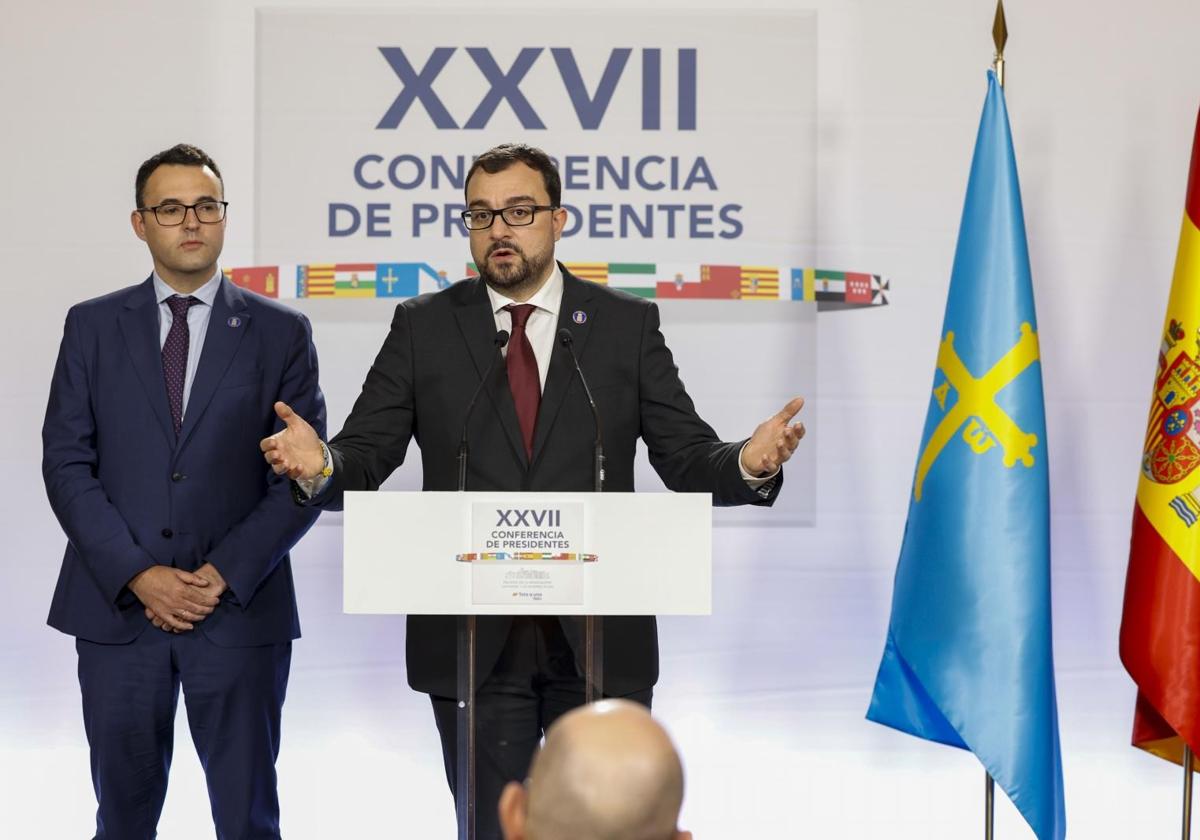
<point x="518" y="215"/>
<point x="172" y="214"/>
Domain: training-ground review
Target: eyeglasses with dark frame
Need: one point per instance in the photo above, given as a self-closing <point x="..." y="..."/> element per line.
<point x="172" y="214"/>
<point x="519" y="215"/>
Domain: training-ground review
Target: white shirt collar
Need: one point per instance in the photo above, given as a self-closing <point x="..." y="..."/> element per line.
<point x="548" y="298"/>
<point x="206" y="294"/>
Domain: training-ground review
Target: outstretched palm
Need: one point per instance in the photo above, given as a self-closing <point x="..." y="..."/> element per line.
<point x="774" y="441"/>
<point x="296" y="450"/>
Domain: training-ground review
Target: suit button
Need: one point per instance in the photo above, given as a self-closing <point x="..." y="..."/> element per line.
<point x="168" y="533"/>
<point x="177" y="476"/>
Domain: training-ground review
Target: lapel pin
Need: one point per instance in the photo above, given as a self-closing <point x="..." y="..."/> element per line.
<point x="579" y="316"/>
<point x="234" y="321"/>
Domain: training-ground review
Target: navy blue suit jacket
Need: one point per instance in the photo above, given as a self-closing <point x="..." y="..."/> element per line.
<point x="130" y="494"/>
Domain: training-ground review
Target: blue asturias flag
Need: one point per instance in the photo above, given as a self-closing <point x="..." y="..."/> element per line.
<point x="968" y="659"/>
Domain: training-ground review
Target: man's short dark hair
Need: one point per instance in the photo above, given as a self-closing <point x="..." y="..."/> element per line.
<point x="181" y="154"/>
<point x="499" y="158"/>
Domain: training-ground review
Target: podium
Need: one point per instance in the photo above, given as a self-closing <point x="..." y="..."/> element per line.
<point x="476" y="553"/>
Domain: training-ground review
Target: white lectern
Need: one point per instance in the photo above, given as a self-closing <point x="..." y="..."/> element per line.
<point x="481" y="553"/>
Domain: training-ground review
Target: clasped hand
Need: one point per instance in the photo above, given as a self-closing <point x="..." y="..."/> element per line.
<point x="176" y="600"/>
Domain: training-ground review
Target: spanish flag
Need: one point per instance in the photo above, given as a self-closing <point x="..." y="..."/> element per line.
<point x="1160" y="627"/>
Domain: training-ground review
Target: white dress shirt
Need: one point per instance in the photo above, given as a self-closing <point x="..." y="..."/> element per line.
<point x="542" y="327"/>
<point x="198" y="315"/>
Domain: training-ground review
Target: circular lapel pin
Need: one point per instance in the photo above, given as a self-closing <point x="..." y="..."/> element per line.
<point x="579" y="316"/>
<point x="234" y="321"/>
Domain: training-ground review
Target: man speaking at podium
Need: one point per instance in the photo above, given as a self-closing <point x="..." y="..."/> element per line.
<point x="531" y="430"/>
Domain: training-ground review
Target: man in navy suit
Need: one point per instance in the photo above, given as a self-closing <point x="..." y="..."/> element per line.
<point x="176" y="570"/>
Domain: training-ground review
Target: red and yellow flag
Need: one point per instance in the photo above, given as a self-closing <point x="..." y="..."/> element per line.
<point x="1160" y="627"/>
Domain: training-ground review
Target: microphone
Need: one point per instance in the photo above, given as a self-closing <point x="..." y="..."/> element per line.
<point x="498" y="342"/>
<point x="568" y="341"/>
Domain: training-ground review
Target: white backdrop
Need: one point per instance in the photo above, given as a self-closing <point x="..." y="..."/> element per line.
<point x="326" y="108"/>
<point x="766" y="698"/>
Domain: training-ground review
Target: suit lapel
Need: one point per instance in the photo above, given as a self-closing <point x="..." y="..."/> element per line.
<point x="227" y="323"/>
<point x="139" y="326"/>
<point x="478" y="326"/>
<point x="577" y="297"/>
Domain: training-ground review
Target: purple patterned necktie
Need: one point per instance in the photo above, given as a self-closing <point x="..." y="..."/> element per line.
<point x="523" y="379"/>
<point x="175" y="355"/>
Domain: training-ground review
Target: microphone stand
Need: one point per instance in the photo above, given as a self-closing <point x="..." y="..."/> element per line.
<point x="593" y="626"/>
<point x="499" y="343"/>
<point x="568" y="341"/>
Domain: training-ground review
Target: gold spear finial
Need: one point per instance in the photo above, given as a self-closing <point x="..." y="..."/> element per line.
<point x="1000" y="38"/>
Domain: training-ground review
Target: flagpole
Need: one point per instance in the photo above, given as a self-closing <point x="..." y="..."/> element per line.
<point x="999" y="38"/>
<point x="1187" y="791"/>
<point x="989" y="806"/>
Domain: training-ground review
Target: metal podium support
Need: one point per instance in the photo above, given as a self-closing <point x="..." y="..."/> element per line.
<point x="593" y="676"/>
<point x="464" y="788"/>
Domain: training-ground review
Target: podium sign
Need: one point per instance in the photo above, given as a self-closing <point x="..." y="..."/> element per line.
<point x="532" y="554"/>
<point x="480" y="553"/>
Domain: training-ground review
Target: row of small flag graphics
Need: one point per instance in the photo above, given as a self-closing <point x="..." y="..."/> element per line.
<point x="340" y="280"/>
<point x="837" y="289"/>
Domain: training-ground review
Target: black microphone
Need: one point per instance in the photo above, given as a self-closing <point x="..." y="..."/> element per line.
<point x="498" y="342"/>
<point x="568" y="341"/>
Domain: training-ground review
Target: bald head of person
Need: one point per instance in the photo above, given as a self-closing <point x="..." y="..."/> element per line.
<point x="607" y="771"/>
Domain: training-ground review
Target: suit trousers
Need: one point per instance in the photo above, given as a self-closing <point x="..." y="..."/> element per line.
<point x="233" y="697"/>
<point x="535" y="682"/>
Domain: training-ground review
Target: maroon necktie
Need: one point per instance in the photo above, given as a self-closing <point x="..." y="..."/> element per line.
<point x="175" y="355"/>
<point x="523" y="377"/>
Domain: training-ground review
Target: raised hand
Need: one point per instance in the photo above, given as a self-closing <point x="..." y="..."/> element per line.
<point x="295" y="451"/>
<point x="774" y="441"/>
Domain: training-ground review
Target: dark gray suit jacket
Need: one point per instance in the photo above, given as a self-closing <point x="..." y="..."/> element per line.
<point x="419" y="387"/>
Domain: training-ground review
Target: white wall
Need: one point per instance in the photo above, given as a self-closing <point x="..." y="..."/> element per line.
<point x="767" y="703"/>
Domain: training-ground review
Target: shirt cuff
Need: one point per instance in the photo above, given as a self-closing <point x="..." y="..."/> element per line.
<point x="754" y="482"/>
<point x="312" y="486"/>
